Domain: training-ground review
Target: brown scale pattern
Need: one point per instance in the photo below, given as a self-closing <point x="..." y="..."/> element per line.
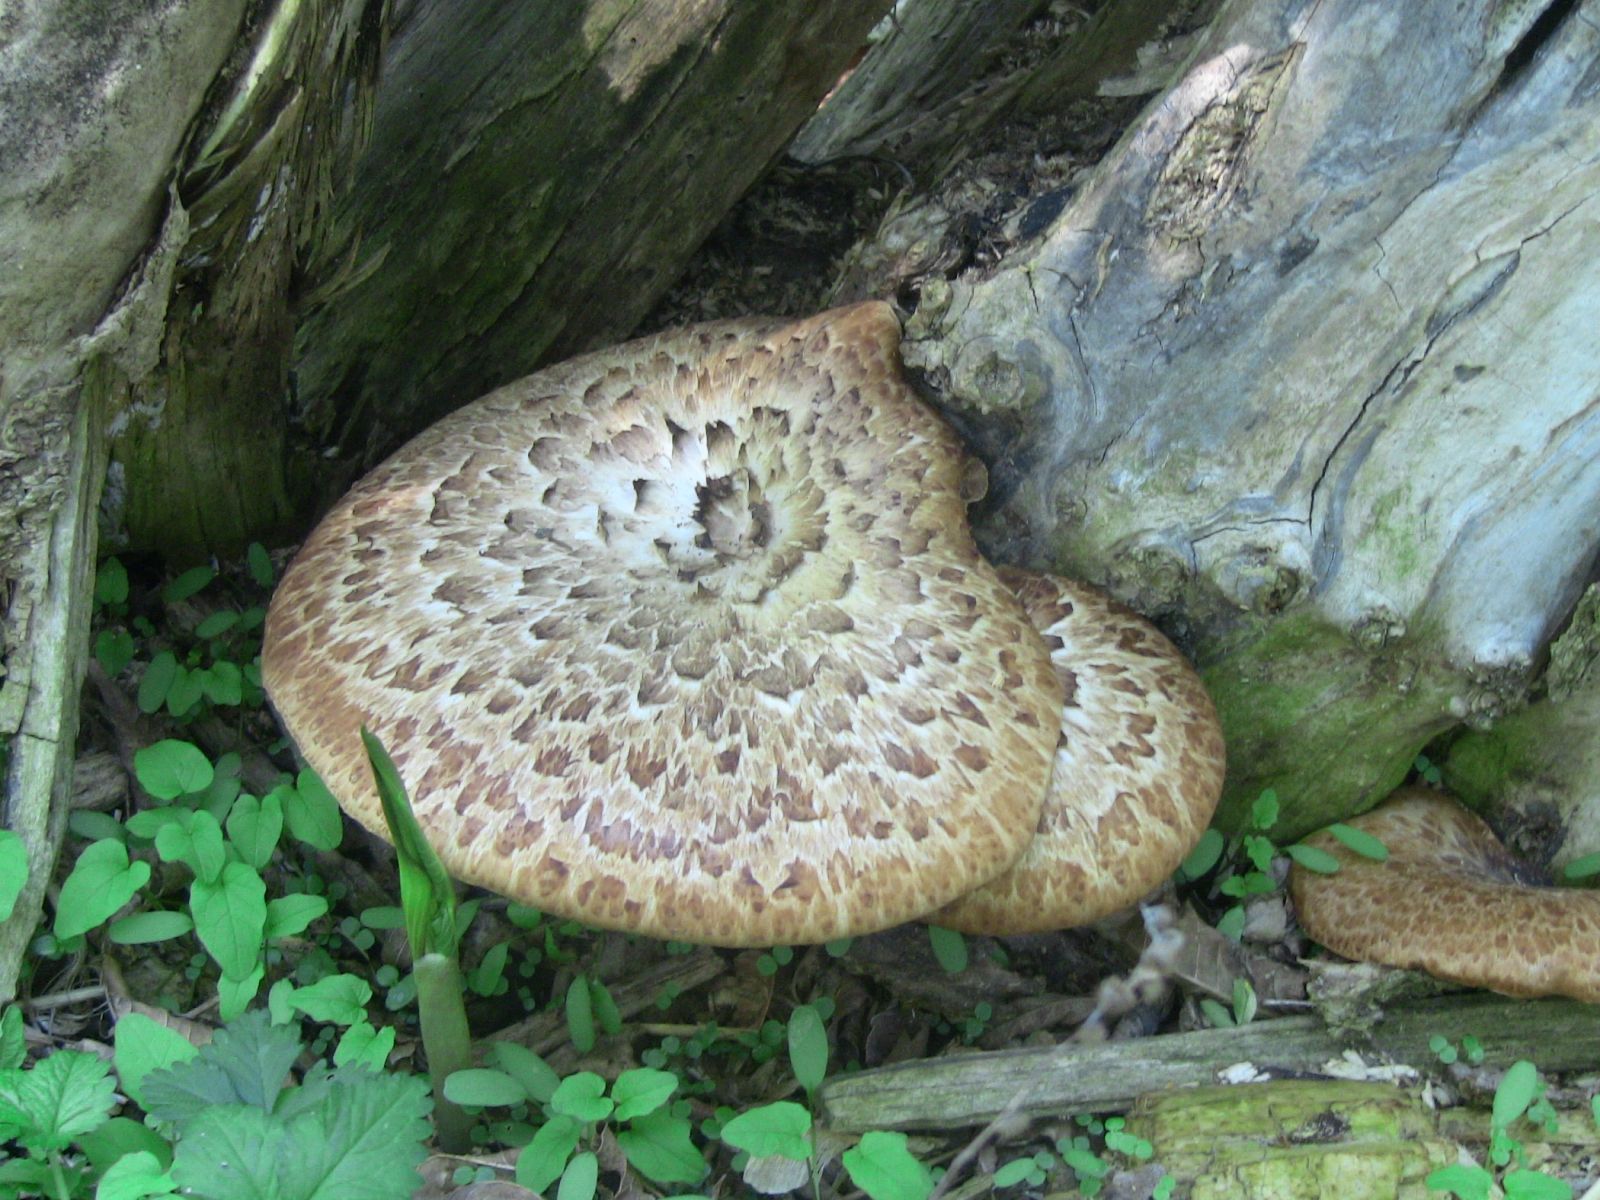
<point x="1138" y="768"/>
<point x="1452" y="901"/>
<point x="687" y="637"/>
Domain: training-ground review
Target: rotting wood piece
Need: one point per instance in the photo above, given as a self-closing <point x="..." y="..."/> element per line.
<point x="1059" y="1081"/>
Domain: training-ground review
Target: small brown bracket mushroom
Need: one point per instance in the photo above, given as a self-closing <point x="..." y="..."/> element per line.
<point x="688" y="637"/>
<point x="1452" y="901"/>
<point x="1138" y="768"/>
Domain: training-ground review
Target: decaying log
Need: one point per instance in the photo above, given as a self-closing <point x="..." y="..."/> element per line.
<point x="1061" y="1081"/>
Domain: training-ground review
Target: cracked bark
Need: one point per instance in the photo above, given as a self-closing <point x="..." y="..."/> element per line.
<point x="1308" y="370"/>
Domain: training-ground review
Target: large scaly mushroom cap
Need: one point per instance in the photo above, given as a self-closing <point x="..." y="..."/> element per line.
<point x="1452" y="901"/>
<point x="1138" y="768"/>
<point x="687" y="637"/>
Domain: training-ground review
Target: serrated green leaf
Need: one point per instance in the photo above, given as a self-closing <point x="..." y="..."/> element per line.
<point x="13" y="872"/>
<point x="102" y="881"/>
<point x="882" y="1167"/>
<point x="1360" y="842"/>
<point x="289" y="915"/>
<point x="536" y="1076"/>
<point x="1313" y="858"/>
<point x="141" y="929"/>
<point x="63" y="1096"/>
<point x="581" y="1096"/>
<point x="135" y="1176"/>
<point x="246" y="1063"/>
<point x="143" y="1045"/>
<point x="311" y="813"/>
<point x="808" y="1047"/>
<point x="949" y="947"/>
<point x="173" y="768"/>
<point x="642" y="1090"/>
<point x="578" y="1180"/>
<point x="188" y="584"/>
<point x="334" y="999"/>
<point x="254" y="826"/>
<point x="230" y="917"/>
<point x="778" y="1128"/>
<point x="156" y="680"/>
<point x="483" y="1088"/>
<point x="661" y="1147"/>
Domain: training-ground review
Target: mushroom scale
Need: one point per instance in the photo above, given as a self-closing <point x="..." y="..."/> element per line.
<point x="1450" y="900"/>
<point x="1138" y="768"/>
<point x="687" y="637"/>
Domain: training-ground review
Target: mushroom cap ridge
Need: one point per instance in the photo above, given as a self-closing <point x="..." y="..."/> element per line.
<point x="1451" y="901"/>
<point x="687" y="637"/>
<point x="1138" y="768"/>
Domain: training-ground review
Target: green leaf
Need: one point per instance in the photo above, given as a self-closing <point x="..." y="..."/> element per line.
<point x="949" y="947"/>
<point x="134" y="1177"/>
<point x="544" y="1159"/>
<point x="143" y="928"/>
<point x="1519" y="1087"/>
<point x="426" y="894"/>
<point x="808" y="1046"/>
<point x="778" y="1128"/>
<point x="113" y="650"/>
<point x="143" y="1045"/>
<point x="186" y="691"/>
<point x="1521" y="1184"/>
<point x="234" y="995"/>
<point x="311" y="812"/>
<point x="215" y="625"/>
<point x="1460" y="1179"/>
<point x="1013" y="1172"/>
<point x="365" y="1044"/>
<point x="483" y="1088"/>
<point x="578" y="1180"/>
<point x="102" y="881"/>
<point x="13" y="1040"/>
<point x="63" y="1096"/>
<point x="119" y="1137"/>
<point x="882" y="1167"/>
<point x="534" y="1075"/>
<point x="207" y="853"/>
<point x="1360" y="842"/>
<point x="111" y="582"/>
<point x="13" y="871"/>
<point x="1581" y="868"/>
<point x="661" y="1147"/>
<point x="1313" y="858"/>
<point x="581" y="1096"/>
<point x="1264" y="812"/>
<point x="157" y="681"/>
<point x="246" y="1063"/>
<point x="605" y="1008"/>
<point x="230" y="917"/>
<point x="188" y="584"/>
<point x="580" y="1015"/>
<point x="1205" y="855"/>
<point x="223" y="683"/>
<point x="259" y="564"/>
<point x="641" y="1091"/>
<point x="334" y="999"/>
<point x="289" y="915"/>
<point x="490" y="971"/>
<point x="171" y="768"/>
<point x="254" y="826"/>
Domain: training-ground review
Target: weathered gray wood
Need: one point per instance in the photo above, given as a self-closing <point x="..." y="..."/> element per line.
<point x="575" y="153"/>
<point x="93" y="107"/>
<point x="971" y="1089"/>
<point x="1309" y="367"/>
